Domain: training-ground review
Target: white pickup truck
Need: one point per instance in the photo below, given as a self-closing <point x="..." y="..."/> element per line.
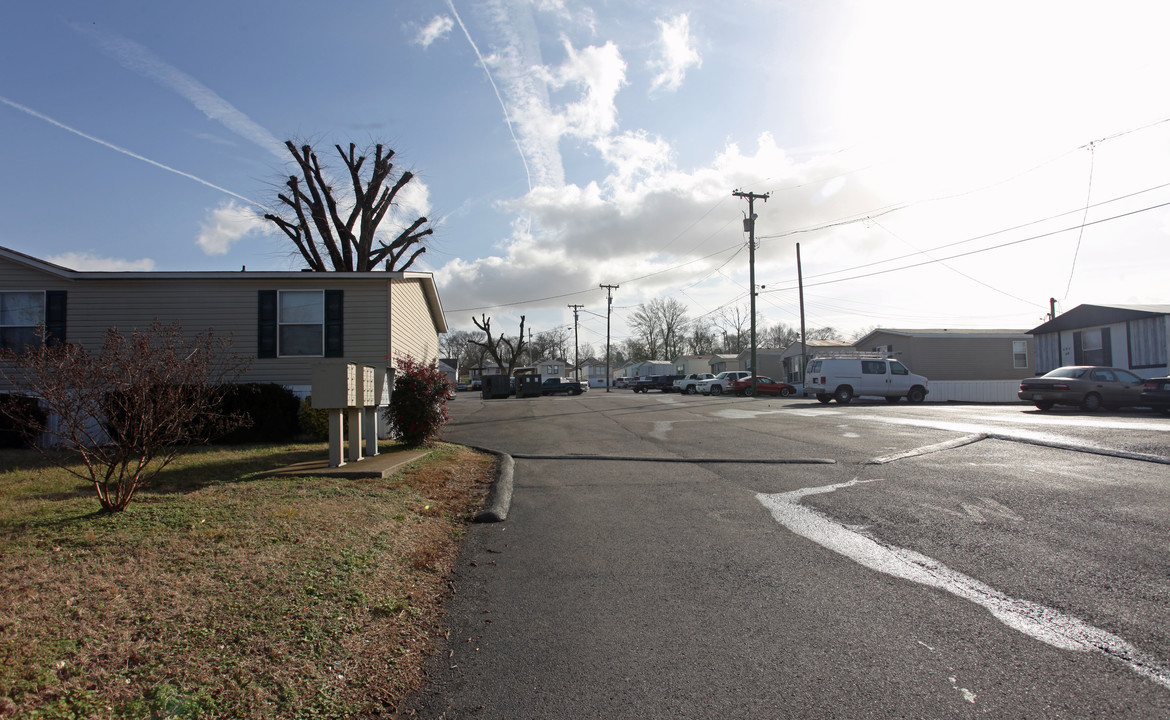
<point x="719" y="384"/>
<point x="690" y="384"/>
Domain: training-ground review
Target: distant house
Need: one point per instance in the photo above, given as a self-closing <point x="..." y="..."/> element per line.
<point x="450" y="368"/>
<point x="724" y="361"/>
<point x="687" y="364"/>
<point x="791" y="362"/>
<point x="770" y="361"/>
<point x="485" y="368"/>
<point x="1133" y="337"/>
<point x="552" y="367"/>
<point x="592" y="370"/>
<point x="626" y="369"/>
<point x="284" y="322"/>
<point x="963" y="365"/>
<point x="645" y="368"/>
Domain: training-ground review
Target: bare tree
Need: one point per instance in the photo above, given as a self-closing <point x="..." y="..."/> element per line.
<point x="634" y="349"/>
<point x="510" y="350"/>
<point x="661" y="325"/>
<point x="550" y="344"/>
<point x="702" y="339"/>
<point x="780" y="335"/>
<point x="330" y="238"/>
<point x="735" y="324"/>
<point x="825" y="333"/>
<point x="128" y="410"/>
<point x="862" y="332"/>
<point x="648" y="334"/>
<point x="460" y="344"/>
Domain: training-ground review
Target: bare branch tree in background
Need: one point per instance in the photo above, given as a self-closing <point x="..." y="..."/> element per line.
<point x="825" y="333"/>
<point x="702" y="339"/>
<point x="551" y="344"/>
<point x="735" y="324"/>
<point x="459" y="344"/>
<point x="648" y="342"/>
<point x="511" y="350"/>
<point x="126" y="411"/>
<point x="331" y="238"/>
<point x="661" y="325"/>
<point x="780" y="335"/>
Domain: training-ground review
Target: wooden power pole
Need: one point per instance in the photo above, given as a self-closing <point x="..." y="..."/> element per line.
<point x="749" y="224"/>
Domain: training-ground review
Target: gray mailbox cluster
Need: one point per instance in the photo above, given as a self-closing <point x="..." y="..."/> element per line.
<point x="358" y="391"/>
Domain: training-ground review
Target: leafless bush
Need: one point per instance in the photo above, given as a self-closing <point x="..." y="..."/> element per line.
<point x="125" y="412"/>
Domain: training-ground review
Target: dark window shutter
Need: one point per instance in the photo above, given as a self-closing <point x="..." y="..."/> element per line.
<point x="334" y="323"/>
<point x="266" y="324"/>
<point x="1078" y="354"/>
<point x="1106" y="347"/>
<point x="55" y="316"/>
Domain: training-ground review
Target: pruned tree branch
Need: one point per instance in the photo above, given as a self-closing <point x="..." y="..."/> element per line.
<point x="335" y="232"/>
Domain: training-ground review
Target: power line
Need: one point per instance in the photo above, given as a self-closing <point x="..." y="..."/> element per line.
<point x="983" y="250"/>
<point x="1088" y="195"/>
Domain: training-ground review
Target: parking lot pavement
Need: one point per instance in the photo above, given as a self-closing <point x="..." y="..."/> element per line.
<point x="965" y="573"/>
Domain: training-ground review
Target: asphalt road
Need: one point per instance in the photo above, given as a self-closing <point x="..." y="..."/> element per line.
<point x="872" y="561"/>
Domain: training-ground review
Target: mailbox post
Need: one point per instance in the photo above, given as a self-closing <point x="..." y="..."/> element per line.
<point x="335" y="388"/>
<point x="383" y="387"/>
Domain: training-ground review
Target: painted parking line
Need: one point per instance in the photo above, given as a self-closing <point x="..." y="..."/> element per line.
<point x="1038" y="621"/>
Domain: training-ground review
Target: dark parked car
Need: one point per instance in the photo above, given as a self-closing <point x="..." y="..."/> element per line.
<point x="665" y="383"/>
<point x="764" y="386"/>
<point x="1156" y="394"/>
<point x="1090" y="387"/>
<point x="568" y="386"/>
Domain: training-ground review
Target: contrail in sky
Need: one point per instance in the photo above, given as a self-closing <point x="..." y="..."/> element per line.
<point x="507" y="118"/>
<point x="124" y="151"/>
<point x="144" y="62"/>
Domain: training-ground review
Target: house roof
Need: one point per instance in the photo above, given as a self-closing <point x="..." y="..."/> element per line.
<point x="1084" y="316"/>
<point x="942" y="332"/>
<point x="426" y="280"/>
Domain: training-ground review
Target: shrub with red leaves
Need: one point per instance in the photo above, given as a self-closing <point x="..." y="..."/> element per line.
<point x="418" y="405"/>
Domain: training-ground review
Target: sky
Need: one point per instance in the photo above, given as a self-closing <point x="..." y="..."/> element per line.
<point x="939" y="164"/>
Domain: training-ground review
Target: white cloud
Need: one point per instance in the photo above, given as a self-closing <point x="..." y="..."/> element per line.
<point x="678" y="53"/>
<point x="438" y="28"/>
<point x="226" y="225"/>
<point x="95" y="263"/>
<point x="600" y="72"/>
<point x="649" y="216"/>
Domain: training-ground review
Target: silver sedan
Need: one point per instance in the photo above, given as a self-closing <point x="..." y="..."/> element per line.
<point x="1090" y="387"/>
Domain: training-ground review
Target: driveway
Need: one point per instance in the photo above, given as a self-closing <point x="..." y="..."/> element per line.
<point x="872" y="561"/>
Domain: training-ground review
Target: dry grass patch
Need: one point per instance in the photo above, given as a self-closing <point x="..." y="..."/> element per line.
<point x="220" y="594"/>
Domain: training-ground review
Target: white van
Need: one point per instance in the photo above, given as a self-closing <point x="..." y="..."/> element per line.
<point x="844" y="378"/>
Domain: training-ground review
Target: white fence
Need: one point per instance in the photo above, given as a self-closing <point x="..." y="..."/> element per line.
<point x="981" y="391"/>
<point x="978" y="391"/>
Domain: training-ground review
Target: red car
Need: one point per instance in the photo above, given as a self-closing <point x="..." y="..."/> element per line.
<point x="764" y="386"/>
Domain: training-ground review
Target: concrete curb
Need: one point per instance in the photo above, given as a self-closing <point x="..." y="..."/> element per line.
<point x="499" y="497"/>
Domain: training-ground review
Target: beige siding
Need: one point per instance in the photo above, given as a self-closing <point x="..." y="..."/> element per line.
<point x="227" y="304"/>
<point x="957" y="357"/>
<point x="414" y="330"/>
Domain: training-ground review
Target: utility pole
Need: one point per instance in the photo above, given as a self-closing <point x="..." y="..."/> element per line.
<point x="803" y="342"/>
<point x="749" y="224"/>
<point x="608" y="312"/>
<point x="576" y="352"/>
<point x="1051" y="308"/>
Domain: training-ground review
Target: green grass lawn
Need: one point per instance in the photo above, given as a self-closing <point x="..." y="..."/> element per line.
<point x="218" y="593"/>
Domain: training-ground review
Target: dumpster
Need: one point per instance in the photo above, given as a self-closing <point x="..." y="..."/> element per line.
<point x="496" y="386"/>
<point x="528" y="385"/>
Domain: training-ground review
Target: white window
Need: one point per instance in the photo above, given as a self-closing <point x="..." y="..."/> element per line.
<point x="301" y="323"/>
<point x="20" y="314"/>
<point x="1092" y="347"/>
<point x="1019" y="353"/>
